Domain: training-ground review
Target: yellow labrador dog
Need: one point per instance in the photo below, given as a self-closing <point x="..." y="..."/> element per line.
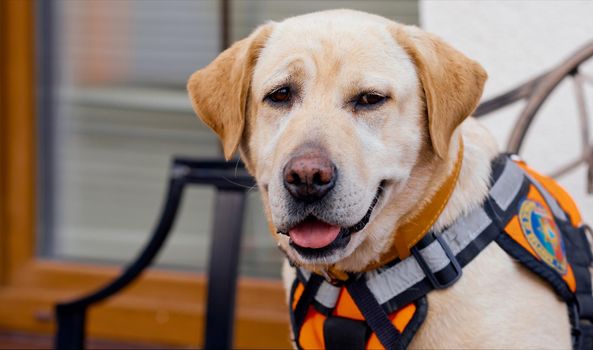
<point x="352" y="124"/>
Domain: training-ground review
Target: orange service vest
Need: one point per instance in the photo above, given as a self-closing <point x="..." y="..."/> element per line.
<point x="527" y="214"/>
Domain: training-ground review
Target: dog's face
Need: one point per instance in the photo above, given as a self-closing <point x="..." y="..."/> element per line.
<point x="341" y="117"/>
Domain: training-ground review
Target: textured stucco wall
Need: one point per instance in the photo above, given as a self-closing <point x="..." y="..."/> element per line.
<point x="516" y="40"/>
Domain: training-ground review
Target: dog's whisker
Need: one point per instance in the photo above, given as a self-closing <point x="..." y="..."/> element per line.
<point x="237" y="166"/>
<point x="239" y="184"/>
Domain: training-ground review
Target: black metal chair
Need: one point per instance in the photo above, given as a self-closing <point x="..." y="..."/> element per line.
<point x="232" y="181"/>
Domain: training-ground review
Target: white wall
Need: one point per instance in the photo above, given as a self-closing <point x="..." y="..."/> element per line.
<point x="516" y="40"/>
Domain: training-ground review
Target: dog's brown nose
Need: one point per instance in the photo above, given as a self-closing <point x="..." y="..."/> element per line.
<point x="309" y="176"/>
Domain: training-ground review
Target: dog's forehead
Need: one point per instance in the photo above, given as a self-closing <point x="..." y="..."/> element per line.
<point x="350" y="39"/>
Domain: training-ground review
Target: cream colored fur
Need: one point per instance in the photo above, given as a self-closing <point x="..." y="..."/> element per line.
<point x="411" y="141"/>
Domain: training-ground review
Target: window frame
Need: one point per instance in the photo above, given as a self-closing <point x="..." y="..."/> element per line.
<point x="166" y="307"/>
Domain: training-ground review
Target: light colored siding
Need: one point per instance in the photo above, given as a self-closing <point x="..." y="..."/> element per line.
<point x="515" y="41"/>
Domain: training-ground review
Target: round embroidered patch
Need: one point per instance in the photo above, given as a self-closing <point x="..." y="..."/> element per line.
<point x="543" y="235"/>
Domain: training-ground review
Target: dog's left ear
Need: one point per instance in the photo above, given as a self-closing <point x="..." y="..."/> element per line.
<point x="219" y="91"/>
<point x="452" y="82"/>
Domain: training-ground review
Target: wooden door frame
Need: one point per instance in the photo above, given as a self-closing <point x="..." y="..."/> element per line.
<point x="164" y="306"/>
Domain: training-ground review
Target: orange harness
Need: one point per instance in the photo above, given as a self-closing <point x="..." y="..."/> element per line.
<point x="528" y="215"/>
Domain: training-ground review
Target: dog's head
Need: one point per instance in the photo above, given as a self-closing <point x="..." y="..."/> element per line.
<point x="343" y="118"/>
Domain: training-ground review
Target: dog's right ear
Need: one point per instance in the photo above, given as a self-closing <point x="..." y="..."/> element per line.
<point x="451" y="81"/>
<point x="219" y="91"/>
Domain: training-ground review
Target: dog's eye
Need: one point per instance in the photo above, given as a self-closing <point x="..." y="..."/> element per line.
<point x="368" y="99"/>
<point x="281" y="95"/>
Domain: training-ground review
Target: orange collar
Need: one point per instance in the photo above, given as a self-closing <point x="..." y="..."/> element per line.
<point x="415" y="227"/>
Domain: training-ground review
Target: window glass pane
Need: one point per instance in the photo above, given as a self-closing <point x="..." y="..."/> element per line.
<point x="116" y="112"/>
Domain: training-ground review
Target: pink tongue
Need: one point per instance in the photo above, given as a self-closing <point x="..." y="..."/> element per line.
<point x="313" y="234"/>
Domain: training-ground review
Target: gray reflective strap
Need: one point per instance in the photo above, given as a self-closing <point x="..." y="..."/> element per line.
<point x="508" y="185"/>
<point x="327" y="294"/>
<point x="398" y="278"/>
<point x="554" y="206"/>
<point x="388" y="283"/>
<point x="466" y="229"/>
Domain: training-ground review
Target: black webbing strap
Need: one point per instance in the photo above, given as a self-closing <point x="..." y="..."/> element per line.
<point x="305" y="301"/>
<point x="585" y="339"/>
<point x="373" y="313"/>
<point x="578" y="252"/>
<point x="340" y="333"/>
<point x="579" y="256"/>
<point x="585" y="302"/>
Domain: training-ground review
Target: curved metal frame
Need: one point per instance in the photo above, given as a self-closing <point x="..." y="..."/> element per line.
<point x="536" y="91"/>
<point x="71" y="316"/>
<point x="543" y="90"/>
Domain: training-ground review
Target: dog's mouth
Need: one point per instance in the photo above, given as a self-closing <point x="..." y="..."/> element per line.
<point x="314" y="238"/>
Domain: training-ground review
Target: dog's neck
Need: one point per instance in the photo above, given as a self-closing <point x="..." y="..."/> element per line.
<point x="419" y="221"/>
<point x="473" y="184"/>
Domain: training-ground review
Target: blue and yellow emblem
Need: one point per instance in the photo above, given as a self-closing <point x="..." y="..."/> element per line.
<point x="543" y="235"/>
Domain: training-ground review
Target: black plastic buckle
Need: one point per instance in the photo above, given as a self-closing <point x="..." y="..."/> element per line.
<point x="428" y="272"/>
